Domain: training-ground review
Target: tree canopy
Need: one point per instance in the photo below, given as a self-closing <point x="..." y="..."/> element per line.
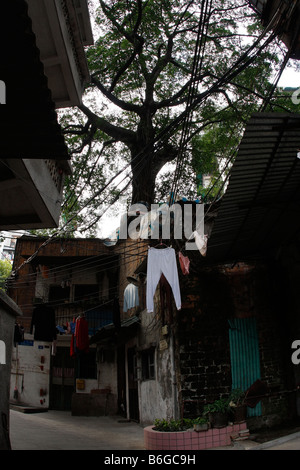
<point x="5" y="270"/>
<point x="173" y="83"/>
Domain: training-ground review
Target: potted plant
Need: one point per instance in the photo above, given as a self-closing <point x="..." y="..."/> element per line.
<point x="200" y="424"/>
<point x="238" y="408"/>
<point x="218" y="412"/>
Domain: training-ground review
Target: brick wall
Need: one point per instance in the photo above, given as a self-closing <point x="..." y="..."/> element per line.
<point x="203" y="352"/>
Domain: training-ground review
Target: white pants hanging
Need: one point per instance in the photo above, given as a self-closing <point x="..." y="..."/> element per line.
<point x="162" y="261"/>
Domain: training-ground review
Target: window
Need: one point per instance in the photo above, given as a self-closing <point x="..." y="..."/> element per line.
<point x="58" y="295"/>
<point x="148" y="364"/>
<point x="86" y="293"/>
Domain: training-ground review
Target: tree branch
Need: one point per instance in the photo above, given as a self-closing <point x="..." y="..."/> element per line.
<point x="120" y="103"/>
<point x="116" y="132"/>
<point x="136" y="40"/>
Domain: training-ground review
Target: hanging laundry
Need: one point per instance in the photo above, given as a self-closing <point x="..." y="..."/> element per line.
<point x="71" y="326"/>
<point x="131" y="297"/>
<point x="82" y="334"/>
<point x="201" y="242"/>
<point x="18" y="334"/>
<point x="162" y="261"/>
<point x="184" y="263"/>
<point x="73" y="346"/>
<point x="43" y="323"/>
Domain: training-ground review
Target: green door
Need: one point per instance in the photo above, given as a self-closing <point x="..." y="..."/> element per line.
<point x="244" y="354"/>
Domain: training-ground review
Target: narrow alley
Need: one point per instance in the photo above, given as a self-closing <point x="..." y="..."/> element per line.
<point x="59" y="430"/>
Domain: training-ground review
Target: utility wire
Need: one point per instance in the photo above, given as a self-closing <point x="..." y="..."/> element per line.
<point x="158" y="139"/>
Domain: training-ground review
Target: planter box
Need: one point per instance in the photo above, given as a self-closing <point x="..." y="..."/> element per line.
<point x="218" y="420"/>
<point x="191" y="440"/>
<point x="200" y="427"/>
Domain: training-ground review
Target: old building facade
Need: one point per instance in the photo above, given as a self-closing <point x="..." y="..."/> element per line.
<point x="64" y="280"/>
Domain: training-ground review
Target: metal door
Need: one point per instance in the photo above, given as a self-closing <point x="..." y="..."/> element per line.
<point x="244" y="353"/>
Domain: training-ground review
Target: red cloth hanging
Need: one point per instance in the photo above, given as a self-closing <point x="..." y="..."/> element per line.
<point x="184" y="263"/>
<point x="72" y="346"/>
<point x="82" y="334"/>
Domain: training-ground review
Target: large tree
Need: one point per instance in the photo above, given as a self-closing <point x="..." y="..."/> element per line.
<point x="169" y="80"/>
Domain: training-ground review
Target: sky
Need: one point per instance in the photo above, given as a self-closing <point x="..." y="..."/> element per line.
<point x="109" y="222"/>
<point x="290" y="78"/>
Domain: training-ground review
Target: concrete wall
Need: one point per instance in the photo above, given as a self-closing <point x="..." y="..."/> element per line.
<point x="8" y="313"/>
<point x="30" y="373"/>
<point x="158" y="396"/>
<point x="98" y="397"/>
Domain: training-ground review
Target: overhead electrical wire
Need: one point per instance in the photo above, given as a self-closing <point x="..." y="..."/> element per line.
<point x="231" y="73"/>
<point x="62" y="273"/>
<point x="196" y="69"/>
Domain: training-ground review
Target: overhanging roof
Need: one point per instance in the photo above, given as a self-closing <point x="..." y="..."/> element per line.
<point x="286" y="24"/>
<point x="62" y="28"/>
<point x="120" y="335"/>
<point x="260" y="210"/>
<point x="28" y="120"/>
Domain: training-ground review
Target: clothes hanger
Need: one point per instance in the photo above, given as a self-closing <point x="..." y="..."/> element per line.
<point x="161" y="244"/>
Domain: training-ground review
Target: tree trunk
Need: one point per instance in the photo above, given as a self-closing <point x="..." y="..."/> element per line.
<point x="143" y="182"/>
<point x="142" y="156"/>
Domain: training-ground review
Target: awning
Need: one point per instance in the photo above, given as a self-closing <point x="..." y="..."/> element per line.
<point x="117" y="335"/>
<point x="260" y="210"/>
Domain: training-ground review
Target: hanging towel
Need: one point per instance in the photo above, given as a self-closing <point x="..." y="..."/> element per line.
<point x="184" y="263"/>
<point x="131" y="297"/>
<point x="162" y="261"/>
<point x="201" y="242"/>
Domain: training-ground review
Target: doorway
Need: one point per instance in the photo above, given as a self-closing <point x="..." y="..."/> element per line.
<point x="244" y="353"/>
<point x="62" y="384"/>
<point x="133" y="396"/>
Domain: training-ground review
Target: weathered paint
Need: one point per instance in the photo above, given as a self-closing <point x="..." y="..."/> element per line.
<point x="244" y="353"/>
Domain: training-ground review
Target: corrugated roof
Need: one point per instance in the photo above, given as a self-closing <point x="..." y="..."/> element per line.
<point x="260" y="209"/>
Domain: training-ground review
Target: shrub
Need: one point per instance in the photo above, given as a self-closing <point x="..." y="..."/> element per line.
<point x="172" y="425"/>
<point x="218" y="406"/>
<point x="200" y="420"/>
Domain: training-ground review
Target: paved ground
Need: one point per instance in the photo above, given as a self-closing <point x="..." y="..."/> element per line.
<point x="59" y="430"/>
